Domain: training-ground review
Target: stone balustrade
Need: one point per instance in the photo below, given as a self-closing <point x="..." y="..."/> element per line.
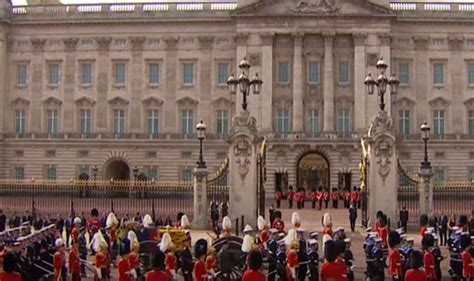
<point x="418" y="6"/>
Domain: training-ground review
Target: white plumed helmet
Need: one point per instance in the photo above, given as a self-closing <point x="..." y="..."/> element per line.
<point x="147" y="221"/>
<point x="77" y="220"/>
<point x="290" y="237"/>
<point x="184" y="222"/>
<point x="165" y="242"/>
<point x="132" y="237"/>
<point x="247" y="243"/>
<point x="295" y="218"/>
<point x="226" y="223"/>
<point x="59" y="242"/>
<point x="98" y="242"/>
<point x="261" y="223"/>
<point x="327" y="220"/>
<point x="111" y="220"/>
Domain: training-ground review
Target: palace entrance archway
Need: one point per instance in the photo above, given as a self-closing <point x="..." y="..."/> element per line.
<point x="312" y="171"/>
<point x="117" y="170"/>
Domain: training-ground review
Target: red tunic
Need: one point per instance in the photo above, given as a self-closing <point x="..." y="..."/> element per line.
<point x="100" y="260"/>
<point x="382" y="231"/>
<point x="354" y="196"/>
<point x="332" y="271"/>
<point x="211" y="262"/>
<point x="347" y="196"/>
<point x="157" y="275"/>
<point x="415" y="275"/>
<point x="10" y="276"/>
<point x="278" y="196"/>
<point x="58" y="261"/>
<point x="199" y="271"/>
<point x="327" y="230"/>
<point x="123" y="270"/>
<point x="290" y="194"/>
<point x="93" y="225"/>
<point x="319" y="195"/>
<point x="423" y="231"/>
<point x="74" y="263"/>
<point x="170" y="261"/>
<point x="74" y="234"/>
<point x="133" y="260"/>
<point x="467" y="268"/>
<point x="279" y="225"/>
<point x="335" y="196"/>
<point x="325" y="195"/>
<point x="253" y="275"/>
<point x="428" y="262"/>
<point x="394" y="263"/>
<point x="314" y="196"/>
<point x="264" y="236"/>
<point x="292" y="259"/>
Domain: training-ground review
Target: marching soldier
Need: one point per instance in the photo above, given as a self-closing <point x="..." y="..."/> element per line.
<point x="298" y="198"/>
<point x="289" y="196"/>
<point x="314" y="198"/>
<point x="394" y="257"/>
<point x="123" y="265"/>
<point x="278" y="196"/>
<point x="335" y="198"/>
<point x="200" y="252"/>
<point x="167" y="247"/>
<point x="428" y="259"/>
<point x="133" y="258"/>
<point x="74" y="262"/>
<point x="319" y="197"/>
<point x="347" y="198"/>
<point x="262" y="228"/>
<point x="331" y="270"/>
<point x="59" y="261"/>
<point x="101" y="259"/>
<point x="326" y="197"/>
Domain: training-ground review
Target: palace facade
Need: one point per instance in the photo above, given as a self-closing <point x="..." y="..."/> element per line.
<point x="122" y="86"/>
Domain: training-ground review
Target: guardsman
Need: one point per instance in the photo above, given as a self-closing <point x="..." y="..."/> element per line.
<point x="200" y="252"/>
<point x="133" y="256"/>
<point x="335" y="198"/>
<point x="262" y="228"/>
<point x="326" y="197"/>
<point x="330" y="269"/>
<point x="319" y="197"/>
<point x="327" y="224"/>
<point x="167" y="247"/>
<point x="394" y="257"/>
<point x="415" y="273"/>
<point x="74" y="262"/>
<point x="211" y="261"/>
<point x="354" y="197"/>
<point x="123" y="266"/>
<point x="101" y="259"/>
<point x="313" y="197"/>
<point x="59" y="261"/>
<point x="289" y="196"/>
<point x="349" y="259"/>
<point x="292" y="259"/>
<point x="428" y="259"/>
<point x="467" y="256"/>
<point x="76" y="229"/>
<point x="346" y="196"/>
<point x="278" y="197"/>
<point x="278" y="224"/>
<point x="423" y="225"/>
<point x="298" y="198"/>
<point x="272" y="248"/>
<point x="111" y="226"/>
<point x="313" y="257"/>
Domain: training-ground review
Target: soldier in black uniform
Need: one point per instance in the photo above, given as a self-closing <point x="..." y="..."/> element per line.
<point x="186" y="260"/>
<point x="302" y="259"/>
<point x="281" y="260"/>
<point x="272" y="247"/>
<point x="313" y="257"/>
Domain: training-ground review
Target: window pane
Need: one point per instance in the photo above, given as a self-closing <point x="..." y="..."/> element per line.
<point x="152" y="174"/>
<point x="313" y="118"/>
<point x="223" y="73"/>
<point x="20" y="121"/>
<point x="186" y="175"/>
<point x="21" y="75"/>
<point x="313" y="72"/>
<point x="439" y="125"/>
<point x="154" y="73"/>
<point x="403" y="73"/>
<point x="404" y="122"/>
<point x="283" y="72"/>
<point x="188" y="73"/>
<point x="153" y="121"/>
<point x="51" y="173"/>
<point x="19" y="173"/>
<point x="343" y="121"/>
<point x="85" y="121"/>
<point x="283" y="124"/>
<point x="119" y="121"/>
<point x="471" y="73"/>
<point x="222" y="122"/>
<point x="439" y="177"/>
<point x="438" y="74"/>
<point x="471" y="122"/>
<point x="54" y="74"/>
<point x="119" y="73"/>
<point x="86" y="77"/>
<point x="187" y="122"/>
<point x="343" y="72"/>
<point x="52" y="125"/>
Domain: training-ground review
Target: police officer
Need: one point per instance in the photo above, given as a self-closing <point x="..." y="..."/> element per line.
<point x="281" y="260"/>
<point x="313" y="258"/>
<point x="272" y="254"/>
<point x="302" y="256"/>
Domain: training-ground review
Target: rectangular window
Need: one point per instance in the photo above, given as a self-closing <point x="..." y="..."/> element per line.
<point x="222" y="122"/>
<point x="21" y="75"/>
<point x="283" y="72"/>
<point x="404" y="73"/>
<point x="153" y="74"/>
<point x="222" y="73"/>
<point x="471" y="73"/>
<point x="153" y="127"/>
<point x="404" y="122"/>
<point x="283" y="121"/>
<point x="313" y="119"/>
<point x="313" y="72"/>
<point x="343" y="121"/>
<point x="119" y="121"/>
<point x="119" y="70"/>
<point x="439" y="122"/>
<point x="439" y="176"/>
<point x="187" y="175"/>
<point x="343" y="72"/>
<point x="52" y="121"/>
<point x="53" y="71"/>
<point x="188" y="73"/>
<point x="187" y="123"/>
<point x="19" y="173"/>
<point x="85" y="121"/>
<point x="471" y="122"/>
<point x="86" y="74"/>
<point x="51" y="173"/>
<point x="20" y="121"/>
<point x="152" y="174"/>
<point x="438" y="74"/>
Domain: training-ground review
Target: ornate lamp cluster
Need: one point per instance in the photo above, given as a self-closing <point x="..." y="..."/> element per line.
<point x="425" y="136"/>
<point x="201" y="134"/>
<point x="381" y="83"/>
<point x="244" y="83"/>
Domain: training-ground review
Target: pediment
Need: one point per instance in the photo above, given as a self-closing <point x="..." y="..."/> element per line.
<point x="20" y="101"/>
<point x="404" y="102"/>
<point x="312" y="8"/>
<point x="187" y="101"/>
<point x="439" y="102"/>
<point x="344" y="99"/>
<point x="222" y="101"/>
<point x="118" y="101"/>
<point x="152" y="101"/>
<point x="52" y="101"/>
<point x="85" y="101"/>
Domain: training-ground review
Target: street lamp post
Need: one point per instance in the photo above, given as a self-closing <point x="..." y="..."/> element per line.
<point x="425" y="136"/>
<point x="381" y="83"/>
<point x="244" y="83"/>
<point x="201" y="133"/>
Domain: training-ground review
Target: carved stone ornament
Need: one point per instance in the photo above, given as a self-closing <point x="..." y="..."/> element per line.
<point x="137" y="42"/>
<point x="456" y="42"/>
<point x="103" y="43"/>
<point x="241" y="39"/>
<point x="382" y="123"/>
<point x="242" y="148"/>
<point x="421" y="42"/>
<point x="171" y="42"/>
<point x="244" y="165"/>
<point x="359" y="38"/>
<point x="383" y="153"/>
<point x="38" y="43"/>
<point x="381" y="136"/>
<point x="71" y="43"/>
<point x="244" y="123"/>
<point x="254" y="59"/>
<point x="314" y="7"/>
<point x="206" y="42"/>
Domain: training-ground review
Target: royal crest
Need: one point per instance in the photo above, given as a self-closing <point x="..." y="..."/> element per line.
<point x="314" y="7"/>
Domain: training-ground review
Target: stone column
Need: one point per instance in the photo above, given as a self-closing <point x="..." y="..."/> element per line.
<point x="243" y="151"/>
<point x="423" y="78"/>
<point x="383" y="169"/>
<point x="136" y="89"/>
<point x="200" y="198"/>
<point x="205" y="84"/>
<point x="457" y="84"/>
<point x="298" y="112"/>
<point x="425" y="190"/>
<point x="385" y="52"/>
<point x="171" y="77"/>
<point x="328" y="125"/>
<point x="69" y="84"/>
<point x="37" y="65"/>
<point x="3" y="92"/>
<point x="241" y="52"/>
<point x="267" y="86"/>
<point x="103" y="69"/>
<point x="359" y="77"/>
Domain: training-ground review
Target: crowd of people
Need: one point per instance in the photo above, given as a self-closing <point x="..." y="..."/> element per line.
<point x="106" y="246"/>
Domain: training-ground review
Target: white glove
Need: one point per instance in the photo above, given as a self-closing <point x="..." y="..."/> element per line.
<point x="353" y="267"/>
<point x="99" y="272"/>
<point x="133" y="273"/>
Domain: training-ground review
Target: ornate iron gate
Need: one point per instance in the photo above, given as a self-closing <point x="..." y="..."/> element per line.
<point x="408" y="195"/>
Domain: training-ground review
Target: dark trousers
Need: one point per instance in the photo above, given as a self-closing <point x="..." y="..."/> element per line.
<point x="290" y="203"/>
<point x="313" y="204"/>
<point x="404" y="225"/>
<point x="335" y="203"/>
<point x="443" y="236"/>
<point x="320" y="204"/>
<point x="188" y="276"/>
<point x="278" y="203"/>
<point x="76" y="277"/>
<point x="326" y="202"/>
<point x="353" y="224"/>
<point x="299" y="205"/>
<point x="83" y="265"/>
<point x="359" y="204"/>
<point x="302" y="204"/>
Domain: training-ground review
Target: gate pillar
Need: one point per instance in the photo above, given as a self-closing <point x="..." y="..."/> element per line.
<point x="243" y="152"/>
<point x="200" y="198"/>
<point x="425" y="191"/>
<point x="383" y="168"/>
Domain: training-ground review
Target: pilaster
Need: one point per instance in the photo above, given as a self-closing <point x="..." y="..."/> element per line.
<point x="103" y="81"/>
<point x="172" y="67"/>
<point x="298" y="112"/>
<point x="423" y="77"/>
<point x="328" y="126"/>
<point x="37" y="68"/>
<point x="359" y="76"/>
<point x="457" y="84"/>
<point x="267" y="86"/>
<point x="136" y="87"/>
<point x="70" y="45"/>
<point x="3" y="87"/>
<point x="206" y="44"/>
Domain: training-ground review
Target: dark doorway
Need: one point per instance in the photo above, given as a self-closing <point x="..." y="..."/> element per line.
<point x="281" y="182"/>
<point x="344" y="181"/>
<point x="117" y="170"/>
<point x="313" y="171"/>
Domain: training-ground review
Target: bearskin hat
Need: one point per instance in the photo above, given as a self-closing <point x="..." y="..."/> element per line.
<point x="427" y="241"/>
<point x="124" y="247"/>
<point x="132" y="237"/>
<point x="185" y="222"/>
<point x="10" y="262"/>
<point x="416" y="260"/>
<point x="383" y="220"/>
<point x="226" y="223"/>
<point x="462" y="220"/>
<point x="278" y="214"/>
<point x="200" y="248"/>
<point x="327" y="220"/>
<point x="158" y="260"/>
<point x="59" y="243"/>
<point x="261" y="223"/>
<point x="378" y="214"/>
<point x="330" y="251"/>
<point x="394" y="239"/>
<point x="77" y="220"/>
<point x="147" y="221"/>
<point x="255" y="260"/>
<point x="94" y="212"/>
<point x="111" y="221"/>
<point x="423" y="220"/>
<point x="465" y="241"/>
<point x="180" y="214"/>
<point x="295" y="218"/>
<point x="165" y="242"/>
<point x="247" y="243"/>
<point x="340" y="246"/>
